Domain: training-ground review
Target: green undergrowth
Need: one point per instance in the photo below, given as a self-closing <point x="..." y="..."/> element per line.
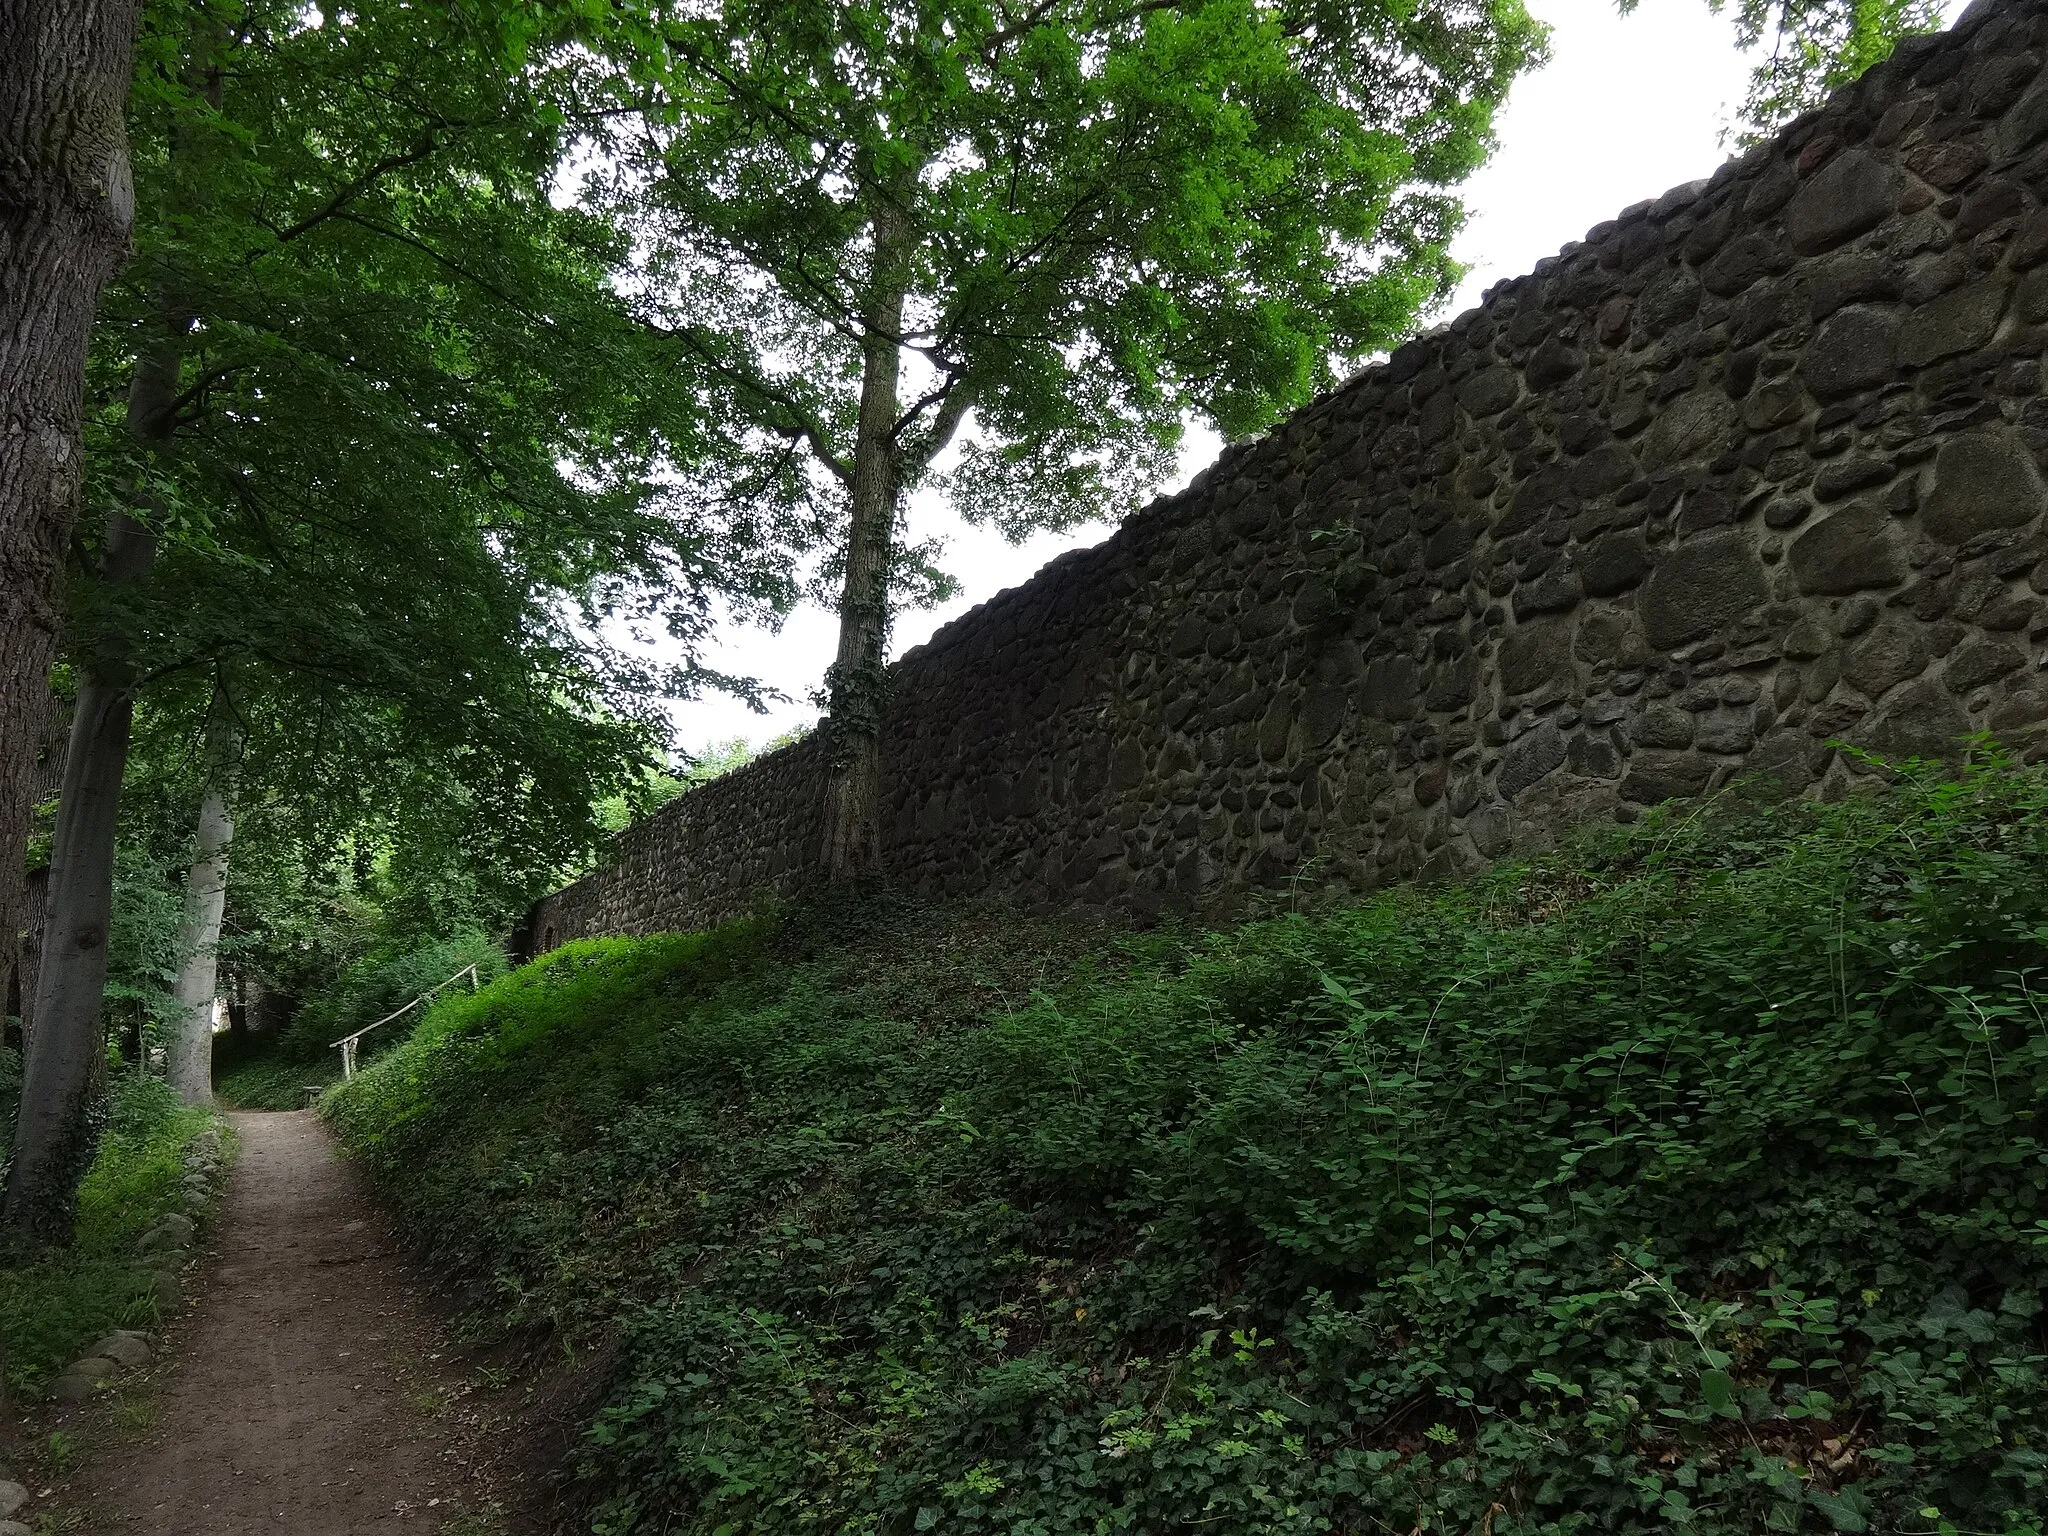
<point x="378" y="985"/>
<point x="266" y="1078"/>
<point x="55" y="1303"/>
<point x="1689" y="1181"/>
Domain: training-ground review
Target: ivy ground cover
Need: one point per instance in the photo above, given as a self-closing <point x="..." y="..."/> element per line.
<point x="1690" y="1180"/>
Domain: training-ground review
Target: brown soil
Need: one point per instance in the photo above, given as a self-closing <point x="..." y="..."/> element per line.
<point x="311" y="1390"/>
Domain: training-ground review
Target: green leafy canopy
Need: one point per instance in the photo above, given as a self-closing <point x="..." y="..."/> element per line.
<point x="1114" y="213"/>
<point x="417" y="477"/>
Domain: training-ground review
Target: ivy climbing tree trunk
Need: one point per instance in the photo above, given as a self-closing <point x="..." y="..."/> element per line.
<point x="66" y="207"/>
<point x="190" y="1063"/>
<point x="857" y="677"/>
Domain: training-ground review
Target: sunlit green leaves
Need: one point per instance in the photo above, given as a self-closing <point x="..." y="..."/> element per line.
<point x="422" y="476"/>
<point x="1119" y="214"/>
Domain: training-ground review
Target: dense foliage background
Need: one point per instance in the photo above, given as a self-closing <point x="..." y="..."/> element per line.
<point x="1693" y="1182"/>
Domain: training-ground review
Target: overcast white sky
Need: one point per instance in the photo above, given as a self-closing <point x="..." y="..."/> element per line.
<point x="1627" y="107"/>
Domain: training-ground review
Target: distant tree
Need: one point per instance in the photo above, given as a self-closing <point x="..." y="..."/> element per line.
<point x="713" y="761"/>
<point x="1046" y="229"/>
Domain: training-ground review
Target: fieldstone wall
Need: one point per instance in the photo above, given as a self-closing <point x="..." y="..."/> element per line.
<point x="1754" y="468"/>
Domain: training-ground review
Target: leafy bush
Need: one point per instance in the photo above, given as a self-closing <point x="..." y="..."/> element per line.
<point x="381" y="983"/>
<point x="55" y="1303"/>
<point x="1693" y="1181"/>
<point x="144" y="950"/>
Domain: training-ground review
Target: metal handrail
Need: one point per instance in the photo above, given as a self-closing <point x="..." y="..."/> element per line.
<point x="347" y="1044"/>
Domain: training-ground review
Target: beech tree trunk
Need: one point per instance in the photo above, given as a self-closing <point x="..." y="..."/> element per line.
<point x="44" y="785"/>
<point x="66" y="207"/>
<point x="53" y="1139"/>
<point x="857" y="678"/>
<point x="189" y="1065"/>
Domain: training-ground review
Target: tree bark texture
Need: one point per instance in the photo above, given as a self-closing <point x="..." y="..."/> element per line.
<point x="28" y="962"/>
<point x="190" y="1062"/>
<point x="857" y="679"/>
<point x="45" y="783"/>
<point x="54" y="1138"/>
<point x="66" y="208"/>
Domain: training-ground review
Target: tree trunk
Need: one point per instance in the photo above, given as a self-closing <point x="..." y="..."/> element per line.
<point x="190" y="1060"/>
<point x="53" y="1139"/>
<point x="53" y="1143"/>
<point x="44" y="784"/>
<point x="857" y="678"/>
<point x="66" y="206"/>
<point x="20" y="939"/>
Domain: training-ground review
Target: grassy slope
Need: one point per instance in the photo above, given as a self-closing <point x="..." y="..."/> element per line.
<point x="1693" y="1183"/>
<point x="53" y="1307"/>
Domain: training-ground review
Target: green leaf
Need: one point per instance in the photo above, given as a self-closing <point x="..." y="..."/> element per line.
<point x="1718" y="1388"/>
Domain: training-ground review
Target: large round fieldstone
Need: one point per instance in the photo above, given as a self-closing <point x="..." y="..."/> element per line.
<point x="1698" y="587"/>
<point x="1982" y="481"/>
<point x="1857" y="349"/>
<point x="1959" y="321"/>
<point x="1533" y="654"/>
<point x="1853" y="192"/>
<point x="1392" y="688"/>
<point x="2026" y="124"/>
<point x="1614" y="564"/>
<point x="1654" y="777"/>
<point x="1690" y="423"/>
<point x="1490" y="391"/>
<point x="1531" y="758"/>
<point x="1854" y="550"/>
<point x="1889" y="655"/>
<point x="1918" y="721"/>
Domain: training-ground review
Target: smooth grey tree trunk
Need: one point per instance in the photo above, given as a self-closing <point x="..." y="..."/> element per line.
<point x="858" y="679"/>
<point x="53" y="1144"/>
<point x="53" y="1140"/>
<point x="189" y="1064"/>
<point x="66" y="208"/>
<point x="47" y="782"/>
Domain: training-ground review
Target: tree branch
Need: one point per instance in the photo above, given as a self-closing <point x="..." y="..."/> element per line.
<point x="801" y="425"/>
<point x="952" y="400"/>
<point x="354" y="189"/>
<point x="450" y="263"/>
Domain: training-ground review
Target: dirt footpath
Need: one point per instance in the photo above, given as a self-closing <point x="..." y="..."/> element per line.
<point x="310" y="1391"/>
